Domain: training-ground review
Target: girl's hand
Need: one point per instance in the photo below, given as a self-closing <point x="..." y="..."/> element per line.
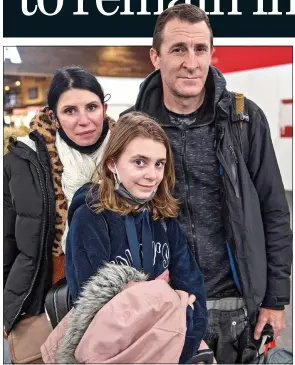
<point x="164" y="276"/>
<point x="191" y="300"/>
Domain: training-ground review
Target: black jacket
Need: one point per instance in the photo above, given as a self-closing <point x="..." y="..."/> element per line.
<point x="255" y="210"/>
<point x="29" y="229"/>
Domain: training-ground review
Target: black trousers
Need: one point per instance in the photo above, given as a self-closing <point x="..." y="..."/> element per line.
<point x="228" y="334"/>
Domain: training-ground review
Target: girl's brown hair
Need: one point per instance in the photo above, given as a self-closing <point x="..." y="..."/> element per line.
<point x="128" y="127"/>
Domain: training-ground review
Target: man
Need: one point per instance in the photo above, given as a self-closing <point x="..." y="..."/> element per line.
<point x="233" y="206"/>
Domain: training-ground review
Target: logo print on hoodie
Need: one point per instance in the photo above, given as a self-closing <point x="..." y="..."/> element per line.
<point x="158" y="249"/>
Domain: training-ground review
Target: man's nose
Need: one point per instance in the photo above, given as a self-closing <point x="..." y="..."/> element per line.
<point x="191" y="61"/>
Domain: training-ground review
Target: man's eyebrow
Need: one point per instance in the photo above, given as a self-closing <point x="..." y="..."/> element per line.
<point x="178" y="44"/>
<point x="182" y="44"/>
<point x="202" y="45"/>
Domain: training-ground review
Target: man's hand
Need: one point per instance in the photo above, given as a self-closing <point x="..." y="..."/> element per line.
<point x="276" y="318"/>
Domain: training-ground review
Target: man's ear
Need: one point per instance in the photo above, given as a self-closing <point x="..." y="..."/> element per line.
<point x="111" y="166"/>
<point x="155" y="59"/>
<point x="212" y="53"/>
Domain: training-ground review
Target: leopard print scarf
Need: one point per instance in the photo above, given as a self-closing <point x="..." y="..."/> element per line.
<point x="45" y="126"/>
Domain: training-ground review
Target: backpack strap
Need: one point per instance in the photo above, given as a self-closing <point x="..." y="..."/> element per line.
<point x="164" y="225"/>
<point x="240" y="109"/>
<point x="240" y="117"/>
<point x="106" y="222"/>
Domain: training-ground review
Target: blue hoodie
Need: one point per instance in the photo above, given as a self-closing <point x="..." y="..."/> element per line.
<point x="97" y="238"/>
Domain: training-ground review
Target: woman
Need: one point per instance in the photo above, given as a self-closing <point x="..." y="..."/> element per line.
<point x="129" y="217"/>
<point x="42" y="171"/>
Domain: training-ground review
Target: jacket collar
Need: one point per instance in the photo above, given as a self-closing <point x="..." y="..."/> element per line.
<point x="150" y="97"/>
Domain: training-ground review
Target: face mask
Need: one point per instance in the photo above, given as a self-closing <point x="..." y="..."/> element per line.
<point x="124" y="193"/>
<point x="85" y="149"/>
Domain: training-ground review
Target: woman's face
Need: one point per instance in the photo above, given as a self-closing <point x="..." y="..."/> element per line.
<point x="81" y="113"/>
<point x="141" y="166"/>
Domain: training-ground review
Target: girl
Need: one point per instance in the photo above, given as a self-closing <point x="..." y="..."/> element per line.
<point x="128" y="217"/>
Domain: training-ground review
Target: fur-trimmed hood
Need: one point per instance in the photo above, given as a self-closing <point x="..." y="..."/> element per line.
<point x="11" y="134"/>
<point x="121" y="317"/>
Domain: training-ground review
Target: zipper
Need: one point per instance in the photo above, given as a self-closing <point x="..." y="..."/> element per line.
<point x="55" y="306"/>
<point x="237" y="125"/>
<point x="49" y="201"/>
<point x="227" y="205"/>
<point x="232" y="151"/>
<point x="187" y="193"/>
<point x="235" y="253"/>
<point x="234" y="330"/>
<point x="232" y="174"/>
<point x="234" y="170"/>
<point x="232" y="233"/>
<point x="42" y="242"/>
<point x="233" y="237"/>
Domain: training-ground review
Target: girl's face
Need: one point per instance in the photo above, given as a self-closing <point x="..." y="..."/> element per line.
<point x="81" y="113"/>
<point x="141" y="166"/>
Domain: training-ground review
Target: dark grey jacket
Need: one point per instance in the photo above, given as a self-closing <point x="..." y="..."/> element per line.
<point x="28" y="230"/>
<point x="255" y="211"/>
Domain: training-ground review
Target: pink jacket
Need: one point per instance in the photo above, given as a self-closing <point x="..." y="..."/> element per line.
<point x="129" y="320"/>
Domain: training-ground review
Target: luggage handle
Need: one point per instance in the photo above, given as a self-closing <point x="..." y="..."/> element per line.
<point x="266" y="337"/>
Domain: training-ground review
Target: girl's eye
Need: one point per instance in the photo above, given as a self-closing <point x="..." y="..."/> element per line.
<point x="139" y="162"/>
<point x="160" y="164"/>
<point x="92" y="107"/>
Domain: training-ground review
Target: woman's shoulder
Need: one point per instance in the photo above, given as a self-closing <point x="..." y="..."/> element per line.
<point x="17" y="159"/>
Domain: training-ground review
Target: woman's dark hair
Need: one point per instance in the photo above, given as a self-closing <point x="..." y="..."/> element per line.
<point x="72" y="77"/>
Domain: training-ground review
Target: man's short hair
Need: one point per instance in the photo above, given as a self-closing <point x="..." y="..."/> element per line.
<point x="184" y="12"/>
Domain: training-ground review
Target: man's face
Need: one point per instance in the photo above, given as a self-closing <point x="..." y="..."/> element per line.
<point x="184" y="58"/>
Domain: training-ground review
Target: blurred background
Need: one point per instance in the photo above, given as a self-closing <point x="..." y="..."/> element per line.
<point x="262" y="73"/>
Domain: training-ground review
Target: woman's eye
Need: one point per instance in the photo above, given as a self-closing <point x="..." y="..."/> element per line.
<point x="92" y="107"/>
<point x="139" y="162"/>
<point x="70" y="111"/>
